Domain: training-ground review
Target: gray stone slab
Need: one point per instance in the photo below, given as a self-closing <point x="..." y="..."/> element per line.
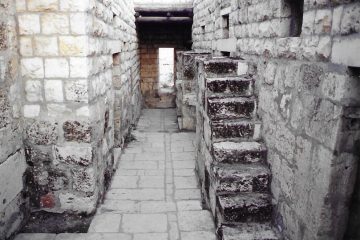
<point x="198" y="235"/>
<point x="144" y="223"/>
<point x="195" y="220"/>
<point x="105" y="223"/>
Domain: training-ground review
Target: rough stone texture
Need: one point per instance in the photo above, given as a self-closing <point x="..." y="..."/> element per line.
<point x="13" y="206"/>
<point x="304" y="89"/>
<point x="81" y="71"/>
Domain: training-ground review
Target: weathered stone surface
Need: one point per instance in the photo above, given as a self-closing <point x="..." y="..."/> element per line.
<point x="250" y="231"/>
<point x="80" y="155"/>
<point x="240" y="86"/>
<point x="42" y="133"/>
<point x="245" y="207"/>
<point x="230" y="108"/>
<point x="241" y="178"/>
<point x="243" y="152"/>
<point x="234" y="129"/>
<point x="77" y="131"/>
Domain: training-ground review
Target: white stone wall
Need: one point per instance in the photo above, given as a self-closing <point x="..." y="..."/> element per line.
<point x="74" y="106"/>
<point x="308" y="101"/>
<point x="12" y="161"/>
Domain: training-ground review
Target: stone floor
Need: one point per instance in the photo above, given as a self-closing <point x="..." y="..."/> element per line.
<point x="154" y="194"/>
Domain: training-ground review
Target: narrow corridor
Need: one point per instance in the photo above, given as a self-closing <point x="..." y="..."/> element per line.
<point x="154" y="194"/>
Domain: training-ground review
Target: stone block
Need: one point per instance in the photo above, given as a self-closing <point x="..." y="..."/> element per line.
<point x="79" y="67"/>
<point x="73" y="46"/>
<point x="54" y="23"/>
<point x="74" y="5"/>
<point x="77" y="131"/>
<point x="42" y="5"/>
<point x="84" y="180"/>
<point x="32" y="67"/>
<point x="26" y="46"/>
<point x="42" y="133"/>
<point x="79" y="204"/>
<point x="29" y="24"/>
<point x="31" y="111"/>
<point x="11" y="175"/>
<point x="76" y="90"/>
<point x="53" y="90"/>
<point x="33" y="90"/>
<point x="45" y="46"/>
<point x="56" y="68"/>
<point x="343" y="50"/>
<point x="78" y="155"/>
<point x="144" y="223"/>
<point x="230" y="108"/>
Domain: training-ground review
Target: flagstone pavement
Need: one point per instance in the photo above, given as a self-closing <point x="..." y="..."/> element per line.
<point x="154" y="194"/>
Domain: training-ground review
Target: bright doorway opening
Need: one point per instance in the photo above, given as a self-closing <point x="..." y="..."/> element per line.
<point x="166" y="70"/>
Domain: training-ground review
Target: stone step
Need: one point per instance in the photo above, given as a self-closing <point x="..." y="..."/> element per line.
<point x="229" y="67"/>
<point x="243" y="207"/>
<point x="240" y="86"/>
<point x="236" y="128"/>
<point x="239" y="152"/>
<point x="249" y="231"/>
<point x="236" y="178"/>
<point x="231" y="108"/>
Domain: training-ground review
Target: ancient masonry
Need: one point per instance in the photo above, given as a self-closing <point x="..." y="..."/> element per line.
<point x="271" y="87"/>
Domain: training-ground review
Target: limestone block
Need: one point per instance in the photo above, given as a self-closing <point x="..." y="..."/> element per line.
<point x="56" y="68"/>
<point x="33" y="90"/>
<point x="77" y="90"/>
<point x="343" y="50"/>
<point x="74" y="5"/>
<point x="323" y="19"/>
<point x="56" y="110"/>
<point x="72" y="202"/>
<point x="11" y="174"/>
<point x="29" y="24"/>
<point x="20" y="5"/>
<point x="53" y="90"/>
<point x="32" y="67"/>
<point x="79" y="67"/>
<point x="308" y="23"/>
<point x="83" y="112"/>
<point x="73" y="46"/>
<point x="42" y="133"/>
<point x="46" y="46"/>
<point x="42" y="5"/>
<point x="54" y="23"/>
<point x="350" y="22"/>
<point x="77" y="155"/>
<point x="31" y="111"/>
<point x="26" y="46"/>
<point x="77" y="131"/>
<point x="336" y="21"/>
<point x="79" y="23"/>
<point x="84" y="179"/>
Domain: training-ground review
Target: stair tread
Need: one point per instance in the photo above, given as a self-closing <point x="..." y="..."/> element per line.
<point x="239" y="146"/>
<point x="250" y="231"/>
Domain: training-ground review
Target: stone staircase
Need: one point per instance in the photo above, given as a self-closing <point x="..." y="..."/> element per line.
<point x="232" y="166"/>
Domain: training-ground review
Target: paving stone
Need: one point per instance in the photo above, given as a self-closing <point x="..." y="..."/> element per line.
<point x="187" y="194"/>
<point x="195" y="220"/>
<point x="184" y="164"/>
<point x="151" y="182"/>
<point x="184" y="172"/>
<point x="105" y="223"/>
<point x="35" y="236"/>
<point x="189" y="205"/>
<point x="120" y="206"/>
<point x="157" y="207"/>
<point x="144" y="223"/>
<point x="185" y="182"/>
<point x="150" y="157"/>
<point x="185" y="156"/>
<point x="199" y="235"/>
<point x="136" y="194"/>
<point x="151" y="236"/>
<point x="124" y="182"/>
<point x="139" y="165"/>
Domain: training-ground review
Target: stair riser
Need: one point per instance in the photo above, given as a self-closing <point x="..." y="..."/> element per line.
<point x="236" y="130"/>
<point x="240" y="88"/>
<point x="212" y="69"/>
<point x="249" y="213"/>
<point x="231" y="109"/>
<point x="242" y="184"/>
<point x="244" y="157"/>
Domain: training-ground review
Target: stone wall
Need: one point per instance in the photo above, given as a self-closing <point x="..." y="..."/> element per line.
<point x="12" y="162"/>
<point x="308" y="100"/>
<point x="81" y="78"/>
